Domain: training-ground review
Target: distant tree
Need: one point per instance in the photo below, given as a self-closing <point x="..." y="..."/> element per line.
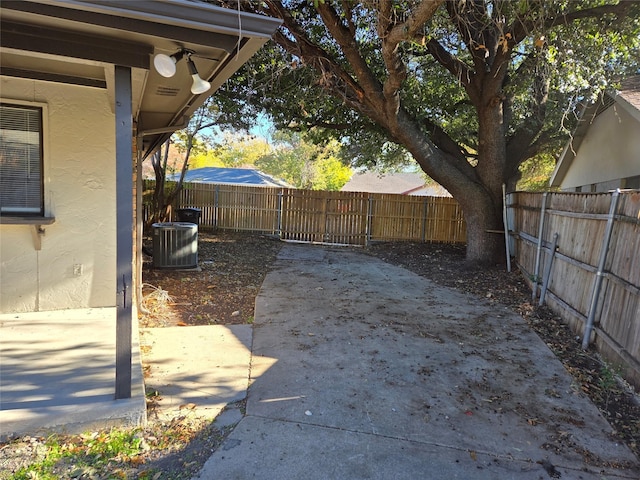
<point x="208" y="158"/>
<point x="331" y="174"/>
<point x="304" y="164"/>
<point x="187" y="142"/>
<point x="535" y="173"/>
<point x="470" y="89"/>
<point x="237" y="149"/>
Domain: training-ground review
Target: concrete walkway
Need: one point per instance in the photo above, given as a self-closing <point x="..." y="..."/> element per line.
<point x="363" y="370"/>
<point x="202" y="369"/>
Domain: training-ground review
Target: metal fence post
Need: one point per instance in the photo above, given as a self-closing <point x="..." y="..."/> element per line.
<point x="216" y="194"/>
<point x="369" y="219"/>
<point x="505" y="221"/>
<point x="586" y="339"/>
<point x="536" y="272"/>
<point x="279" y="213"/>
<point x="424" y="220"/>
<point x="547" y="272"/>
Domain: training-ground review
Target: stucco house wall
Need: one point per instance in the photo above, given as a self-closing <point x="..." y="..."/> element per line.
<point x="602" y="153"/>
<point x="608" y="153"/>
<point x="76" y="266"/>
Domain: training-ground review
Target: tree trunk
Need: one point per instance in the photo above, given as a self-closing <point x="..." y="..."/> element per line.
<point x="480" y="199"/>
<point x="483" y="207"/>
<point x="485" y="244"/>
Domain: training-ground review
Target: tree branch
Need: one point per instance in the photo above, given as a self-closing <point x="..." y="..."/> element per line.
<point x="456" y="67"/>
<point x="443" y="141"/>
<point x="332" y="76"/>
<point x="348" y="44"/>
<point x="392" y="35"/>
<point x="523" y="27"/>
<point x="475" y="27"/>
<point x="523" y="137"/>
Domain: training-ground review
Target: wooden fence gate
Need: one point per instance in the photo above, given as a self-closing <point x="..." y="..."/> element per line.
<point x="324" y="217"/>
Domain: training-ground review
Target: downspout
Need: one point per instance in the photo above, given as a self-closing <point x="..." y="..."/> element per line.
<point x="600" y="273"/>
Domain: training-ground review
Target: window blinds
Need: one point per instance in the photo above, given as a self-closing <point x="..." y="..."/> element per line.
<point x="20" y="160"/>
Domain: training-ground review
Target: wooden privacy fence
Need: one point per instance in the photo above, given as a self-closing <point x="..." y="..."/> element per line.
<point x="581" y="253"/>
<point x="339" y="218"/>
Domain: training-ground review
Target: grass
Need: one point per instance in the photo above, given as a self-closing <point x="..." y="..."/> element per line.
<point x="85" y="456"/>
<point x="169" y="450"/>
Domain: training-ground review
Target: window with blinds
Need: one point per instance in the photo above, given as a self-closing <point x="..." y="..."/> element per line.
<point x="21" y="185"/>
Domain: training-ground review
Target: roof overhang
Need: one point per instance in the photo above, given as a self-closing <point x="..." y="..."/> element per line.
<point x="80" y="41"/>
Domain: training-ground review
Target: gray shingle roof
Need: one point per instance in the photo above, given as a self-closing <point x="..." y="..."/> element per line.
<point x="232" y="176"/>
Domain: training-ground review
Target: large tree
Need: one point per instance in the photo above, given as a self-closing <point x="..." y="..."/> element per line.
<point x="469" y="88"/>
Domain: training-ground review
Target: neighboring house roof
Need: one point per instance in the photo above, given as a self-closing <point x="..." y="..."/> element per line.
<point x="630" y="94"/>
<point x="398" y="183"/>
<point x="79" y="42"/>
<point x="627" y="97"/>
<point x="231" y="176"/>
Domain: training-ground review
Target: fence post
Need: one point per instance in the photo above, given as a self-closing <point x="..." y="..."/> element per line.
<point x="536" y="272"/>
<point x="505" y="221"/>
<point x="279" y="215"/>
<point x="369" y="219"/>
<point x="600" y="272"/>
<point x="216" y="193"/>
<point x="424" y="220"/>
<point x="547" y="273"/>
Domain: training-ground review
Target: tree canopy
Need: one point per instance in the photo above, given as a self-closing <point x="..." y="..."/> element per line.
<point x="469" y="89"/>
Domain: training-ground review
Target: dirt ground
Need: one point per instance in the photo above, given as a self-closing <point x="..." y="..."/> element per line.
<point x="232" y="267"/>
<point x="223" y="291"/>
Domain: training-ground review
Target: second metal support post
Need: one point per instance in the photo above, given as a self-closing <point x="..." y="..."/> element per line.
<point x="593" y="307"/>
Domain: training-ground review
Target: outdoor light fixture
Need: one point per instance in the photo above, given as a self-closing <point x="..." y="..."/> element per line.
<point x="166" y="66"/>
<point x="199" y="85"/>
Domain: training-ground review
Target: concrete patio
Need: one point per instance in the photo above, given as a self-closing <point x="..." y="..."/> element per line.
<point x="57" y="372"/>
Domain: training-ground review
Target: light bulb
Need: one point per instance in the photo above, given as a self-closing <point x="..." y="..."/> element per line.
<point x="199" y="85"/>
<point x="165" y="65"/>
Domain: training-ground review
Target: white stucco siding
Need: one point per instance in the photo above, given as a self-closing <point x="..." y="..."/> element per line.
<point x="608" y="152"/>
<point x="79" y="169"/>
<point x="17" y="262"/>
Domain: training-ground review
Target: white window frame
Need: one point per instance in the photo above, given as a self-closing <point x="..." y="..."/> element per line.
<point x="20" y="217"/>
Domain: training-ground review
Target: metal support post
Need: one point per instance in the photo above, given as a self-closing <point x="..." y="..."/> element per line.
<point x="547" y="273"/>
<point x="125" y="225"/>
<point x="505" y="221"/>
<point x="536" y="272"/>
<point x="597" y="285"/>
